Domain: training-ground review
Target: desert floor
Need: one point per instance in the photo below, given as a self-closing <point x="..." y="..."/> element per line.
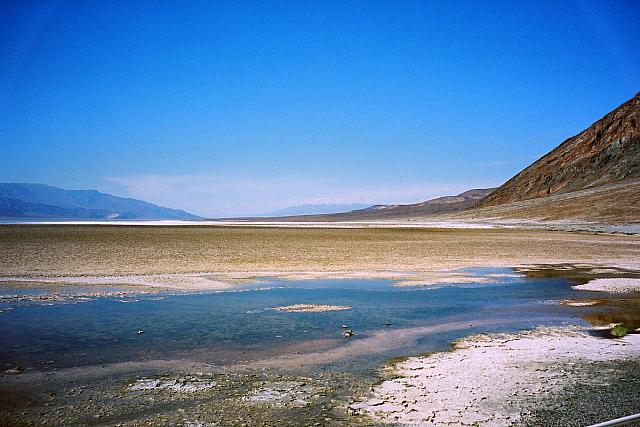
<point x="46" y="250"/>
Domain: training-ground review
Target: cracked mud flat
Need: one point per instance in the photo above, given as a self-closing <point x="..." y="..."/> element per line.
<point x="497" y="379"/>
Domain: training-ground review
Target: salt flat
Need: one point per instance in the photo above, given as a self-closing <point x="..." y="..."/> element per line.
<point x="491" y="379"/>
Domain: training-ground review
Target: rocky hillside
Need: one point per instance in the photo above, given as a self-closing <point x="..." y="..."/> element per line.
<point x="617" y="203"/>
<point x="605" y="153"/>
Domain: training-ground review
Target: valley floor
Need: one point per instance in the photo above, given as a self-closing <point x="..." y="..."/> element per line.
<point x="246" y="252"/>
<point x="79" y="261"/>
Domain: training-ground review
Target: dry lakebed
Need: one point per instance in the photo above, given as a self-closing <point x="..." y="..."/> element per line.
<point x="212" y="325"/>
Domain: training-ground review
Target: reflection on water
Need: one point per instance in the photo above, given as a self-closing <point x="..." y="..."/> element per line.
<point x="578" y="274"/>
<point x="228" y="327"/>
<point x="615" y="310"/>
<point x="604" y="309"/>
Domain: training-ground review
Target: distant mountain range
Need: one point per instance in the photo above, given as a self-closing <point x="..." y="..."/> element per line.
<point x="323" y="208"/>
<point x="42" y="201"/>
<point x="441" y="205"/>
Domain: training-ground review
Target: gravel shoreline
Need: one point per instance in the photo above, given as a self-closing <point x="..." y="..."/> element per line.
<point x="616" y="395"/>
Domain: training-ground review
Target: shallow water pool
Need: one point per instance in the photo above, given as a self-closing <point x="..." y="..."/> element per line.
<point x="230" y="327"/>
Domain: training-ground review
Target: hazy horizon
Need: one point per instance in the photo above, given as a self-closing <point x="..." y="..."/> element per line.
<point x="247" y="108"/>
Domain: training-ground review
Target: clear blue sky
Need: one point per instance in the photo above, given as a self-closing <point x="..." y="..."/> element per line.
<point x="233" y="108"/>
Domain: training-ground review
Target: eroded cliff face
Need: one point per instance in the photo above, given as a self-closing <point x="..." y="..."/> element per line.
<point x="606" y="152"/>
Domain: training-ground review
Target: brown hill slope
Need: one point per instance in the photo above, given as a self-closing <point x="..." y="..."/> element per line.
<point x="605" y="153"/>
<point x="617" y="203"/>
<point x="441" y="205"/>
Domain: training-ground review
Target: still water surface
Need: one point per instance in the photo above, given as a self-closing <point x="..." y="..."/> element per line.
<point x="232" y="326"/>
